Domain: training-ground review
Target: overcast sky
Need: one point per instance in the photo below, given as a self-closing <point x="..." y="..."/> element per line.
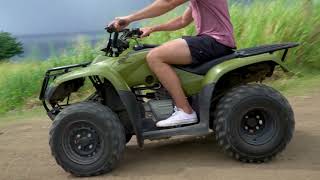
<point x="53" y="16"/>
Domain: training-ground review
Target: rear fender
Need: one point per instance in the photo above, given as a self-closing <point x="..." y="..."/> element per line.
<point x="211" y="82"/>
<point x="218" y="71"/>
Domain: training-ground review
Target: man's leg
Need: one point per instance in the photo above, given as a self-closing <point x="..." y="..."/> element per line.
<point x="159" y="60"/>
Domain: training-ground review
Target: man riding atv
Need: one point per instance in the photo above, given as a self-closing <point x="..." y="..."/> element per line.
<point x="214" y="39"/>
<point x="215" y="89"/>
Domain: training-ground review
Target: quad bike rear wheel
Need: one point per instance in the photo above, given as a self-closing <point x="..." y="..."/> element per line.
<point x="253" y="123"/>
<point x="87" y="139"/>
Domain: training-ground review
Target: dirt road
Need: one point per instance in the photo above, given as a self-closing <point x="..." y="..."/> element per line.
<point x="24" y="154"/>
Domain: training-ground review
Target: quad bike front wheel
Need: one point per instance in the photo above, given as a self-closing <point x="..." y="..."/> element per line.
<point x="87" y="139"/>
<point x="253" y="123"/>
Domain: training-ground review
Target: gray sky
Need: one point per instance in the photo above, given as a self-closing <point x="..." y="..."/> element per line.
<point x="52" y="16"/>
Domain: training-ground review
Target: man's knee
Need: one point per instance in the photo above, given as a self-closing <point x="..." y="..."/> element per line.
<point x="153" y="57"/>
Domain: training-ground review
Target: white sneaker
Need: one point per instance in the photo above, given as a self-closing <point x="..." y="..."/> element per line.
<point x="179" y="117"/>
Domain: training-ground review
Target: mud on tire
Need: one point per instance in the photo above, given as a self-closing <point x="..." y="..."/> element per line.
<point x="87" y="139"/>
<point x="253" y="123"/>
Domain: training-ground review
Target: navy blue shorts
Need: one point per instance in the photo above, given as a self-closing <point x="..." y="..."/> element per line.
<point x="205" y="48"/>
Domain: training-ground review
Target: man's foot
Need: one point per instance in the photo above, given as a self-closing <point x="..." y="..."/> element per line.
<point x="179" y="117"/>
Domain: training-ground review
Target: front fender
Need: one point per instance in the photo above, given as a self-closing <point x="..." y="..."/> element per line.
<point x="101" y="69"/>
<point x="104" y="70"/>
<point x="218" y="71"/>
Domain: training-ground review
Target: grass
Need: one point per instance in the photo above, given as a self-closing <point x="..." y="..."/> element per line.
<point x="21" y="82"/>
<point x="297" y="85"/>
<point x="267" y="22"/>
<point x="262" y="22"/>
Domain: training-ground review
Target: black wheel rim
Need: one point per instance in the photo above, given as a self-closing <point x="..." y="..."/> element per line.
<point x="257" y="127"/>
<point x="82" y="142"/>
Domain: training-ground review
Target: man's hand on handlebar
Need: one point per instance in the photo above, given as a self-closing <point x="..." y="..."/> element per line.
<point x="119" y="23"/>
<point x="146" y="31"/>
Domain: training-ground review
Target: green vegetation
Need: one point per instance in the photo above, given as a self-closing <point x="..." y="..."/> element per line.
<point x="262" y="22"/>
<point x="20" y="83"/>
<point x="9" y="46"/>
<point x="296" y="85"/>
<point x="267" y="22"/>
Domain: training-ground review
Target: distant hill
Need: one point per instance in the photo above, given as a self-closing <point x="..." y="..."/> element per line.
<point x="45" y="45"/>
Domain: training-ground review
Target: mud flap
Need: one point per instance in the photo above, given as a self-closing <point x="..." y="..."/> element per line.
<point x="205" y="97"/>
<point x="130" y="102"/>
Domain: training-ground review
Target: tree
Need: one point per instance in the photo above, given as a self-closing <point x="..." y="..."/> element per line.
<point x="9" y="46"/>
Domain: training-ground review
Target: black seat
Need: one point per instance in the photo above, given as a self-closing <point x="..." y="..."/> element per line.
<point x="202" y="69"/>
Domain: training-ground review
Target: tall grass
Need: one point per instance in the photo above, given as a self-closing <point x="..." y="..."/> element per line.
<point x="266" y="22"/>
<point x="262" y="22"/>
<point x="21" y="82"/>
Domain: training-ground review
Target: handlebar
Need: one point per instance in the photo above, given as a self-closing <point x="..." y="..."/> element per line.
<point x="118" y="40"/>
<point x="130" y="33"/>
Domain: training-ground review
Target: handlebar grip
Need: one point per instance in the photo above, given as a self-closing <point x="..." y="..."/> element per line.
<point x="110" y="29"/>
<point x="140" y="32"/>
<point x="137" y="32"/>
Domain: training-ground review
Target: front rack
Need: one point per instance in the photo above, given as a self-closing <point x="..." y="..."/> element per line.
<point x="54" y="72"/>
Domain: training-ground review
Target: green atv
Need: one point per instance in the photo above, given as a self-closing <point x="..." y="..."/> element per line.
<point x="251" y="121"/>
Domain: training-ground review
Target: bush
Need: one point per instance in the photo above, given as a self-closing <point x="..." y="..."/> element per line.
<point x="9" y="46"/>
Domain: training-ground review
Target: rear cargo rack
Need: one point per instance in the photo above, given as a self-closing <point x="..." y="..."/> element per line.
<point x="266" y="49"/>
<point x="202" y="69"/>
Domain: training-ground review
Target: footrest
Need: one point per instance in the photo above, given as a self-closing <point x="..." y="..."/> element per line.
<point x="148" y="125"/>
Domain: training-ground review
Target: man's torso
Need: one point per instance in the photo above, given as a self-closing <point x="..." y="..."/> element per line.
<point x="212" y="18"/>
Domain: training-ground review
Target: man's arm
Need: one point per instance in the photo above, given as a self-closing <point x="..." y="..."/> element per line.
<point x="177" y="23"/>
<point x="157" y="8"/>
<point x="173" y="25"/>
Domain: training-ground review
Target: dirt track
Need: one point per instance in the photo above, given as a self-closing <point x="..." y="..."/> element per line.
<point x="24" y="154"/>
